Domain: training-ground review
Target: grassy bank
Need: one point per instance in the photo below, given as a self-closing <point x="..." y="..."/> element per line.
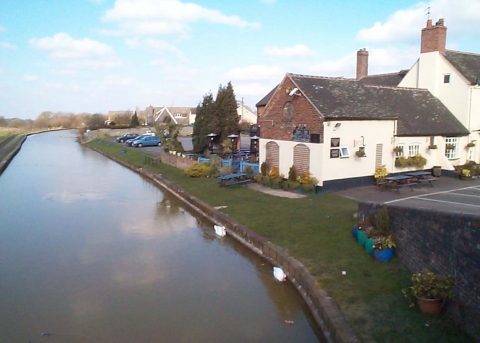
<point x="316" y="230"/>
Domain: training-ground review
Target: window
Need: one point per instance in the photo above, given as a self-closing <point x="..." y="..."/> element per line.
<point x="413" y="149"/>
<point x="344" y="152"/>
<point x="399" y="150"/>
<point x="288" y="111"/>
<point x="314" y="138"/>
<point x="451" y="147"/>
<point x="446" y="78"/>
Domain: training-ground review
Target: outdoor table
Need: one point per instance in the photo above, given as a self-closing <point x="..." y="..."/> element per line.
<point x="398" y="181"/>
<point x="422" y="177"/>
<point x="233" y="179"/>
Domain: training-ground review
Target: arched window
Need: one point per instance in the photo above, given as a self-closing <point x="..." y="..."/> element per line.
<point x="301" y="159"/>
<point x="272" y="156"/>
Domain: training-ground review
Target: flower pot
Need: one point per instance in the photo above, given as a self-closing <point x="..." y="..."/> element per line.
<point x="361" y="237"/>
<point x="368" y="245"/>
<point x="384" y="255"/>
<point x="430" y="306"/>
<point x="355" y="232"/>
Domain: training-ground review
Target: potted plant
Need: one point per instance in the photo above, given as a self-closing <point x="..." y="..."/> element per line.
<point x="430" y="291"/>
<point x="449" y="146"/>
<point x="465" y="174"/>
<point x="360" y="153"/>
<point x="384" y="248"/>
<point x="398" y="149"/>
<point x="470" y="145"/>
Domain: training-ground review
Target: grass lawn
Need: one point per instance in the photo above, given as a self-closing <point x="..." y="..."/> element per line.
<point x="317" y="231"/>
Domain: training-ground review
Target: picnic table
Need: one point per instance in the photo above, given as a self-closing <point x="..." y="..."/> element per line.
<point x="233" y="179"/>
<point x="422" y="177"/>
<point x="409" y="179"/>
<point x="398" y="181"/>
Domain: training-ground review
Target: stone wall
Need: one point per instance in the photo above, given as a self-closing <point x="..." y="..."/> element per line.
<point x="445" y="243"/>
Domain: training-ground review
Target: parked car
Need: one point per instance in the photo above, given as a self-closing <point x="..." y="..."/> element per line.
<point x="126" y="137"/>
<point x="146" y="141"/>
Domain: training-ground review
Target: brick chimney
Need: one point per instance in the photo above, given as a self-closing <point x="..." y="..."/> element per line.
<point x="434" y="38"/>
<point x="362" y="63"/>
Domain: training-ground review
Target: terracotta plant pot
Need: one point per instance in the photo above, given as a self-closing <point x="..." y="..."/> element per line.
<point x="430" y="306"/>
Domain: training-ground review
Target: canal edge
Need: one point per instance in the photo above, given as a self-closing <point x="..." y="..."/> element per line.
<point x="324" y="309"/>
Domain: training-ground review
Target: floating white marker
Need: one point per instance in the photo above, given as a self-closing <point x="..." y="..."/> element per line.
<point x="220" y="230"/>
<point x="279" y="274"/>
<point x="344" y="272"/>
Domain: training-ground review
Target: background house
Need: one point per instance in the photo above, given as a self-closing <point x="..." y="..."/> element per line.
<point x="246" y="114"/>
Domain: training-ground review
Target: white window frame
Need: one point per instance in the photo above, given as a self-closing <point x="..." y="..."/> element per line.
<point x="344" y="152"/>
<point x="453" y="153"/>
<point x="413" y="149"/>
<point x="400" y="153"/>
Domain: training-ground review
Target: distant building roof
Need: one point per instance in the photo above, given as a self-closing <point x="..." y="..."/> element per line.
<point x="418" y="112"/>
<point x="468" y="64"/>
<point x="388" y="80"/>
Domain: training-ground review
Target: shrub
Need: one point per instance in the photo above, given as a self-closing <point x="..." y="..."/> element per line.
<point x="198" y="170"/>
<point x="360" y="153"/>
<point x="308" y="187"/>
<point x="263" y="169"/>
<point x="292" y="174"/>
<point x="273" y="172"/>
<point x="276" y="182"/>
<point x="382" y="222"/>
<point x="225" y="170"/>
<point x="380" y="173"/>
<point x="249" y="172"/>
<point x="258" y="178"/>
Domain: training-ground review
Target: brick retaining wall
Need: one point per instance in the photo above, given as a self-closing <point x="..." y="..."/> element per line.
<point x="445" y="243"/>
<point x="176" y="161"/>
<point x="323" y="308"/>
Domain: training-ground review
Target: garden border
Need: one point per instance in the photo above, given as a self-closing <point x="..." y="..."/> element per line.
<point x="323" y="308"/>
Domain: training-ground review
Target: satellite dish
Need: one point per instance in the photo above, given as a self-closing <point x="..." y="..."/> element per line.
<point x="294" y="91"/>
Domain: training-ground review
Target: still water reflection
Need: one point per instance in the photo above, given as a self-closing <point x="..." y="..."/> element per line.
<point x="91" y="252"/>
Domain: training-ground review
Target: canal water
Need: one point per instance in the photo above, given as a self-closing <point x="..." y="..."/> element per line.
<point x="92" y="252"/>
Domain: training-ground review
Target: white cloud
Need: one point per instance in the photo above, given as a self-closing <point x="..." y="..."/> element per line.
<point x="117" y="81"/>
<point x="174" y="71"/>
<point x="405" y="24"/>
<point x="7" y="45"/>
<point x="154" y="45"/>
<point x="146" y="17"/>
<point x="255" y="72"/>
<point x="77" y="53"/>
<point x="29" y="77"/>
<point x="288" y="51"/>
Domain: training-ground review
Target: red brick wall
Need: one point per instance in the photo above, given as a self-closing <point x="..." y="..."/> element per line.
<point x="176" y="161"/>
<point x="274" y="125"/>
<point x="434" y="37"/>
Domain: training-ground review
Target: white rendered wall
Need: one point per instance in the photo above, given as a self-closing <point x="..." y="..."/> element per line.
<point x="428" y="73"/>
<point x="354" y="134"/>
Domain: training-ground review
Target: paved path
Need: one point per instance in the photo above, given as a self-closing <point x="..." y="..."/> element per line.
<point x="275" y="192"/>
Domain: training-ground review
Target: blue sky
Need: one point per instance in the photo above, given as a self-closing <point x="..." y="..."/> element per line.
<point x="100" y="55"/>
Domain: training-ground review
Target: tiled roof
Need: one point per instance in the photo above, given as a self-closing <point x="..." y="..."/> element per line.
<point x="419" y="113"/>
<point x="468" y="64"/>
<point x="389" y="80"/>
<point x="266" y="98"/>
